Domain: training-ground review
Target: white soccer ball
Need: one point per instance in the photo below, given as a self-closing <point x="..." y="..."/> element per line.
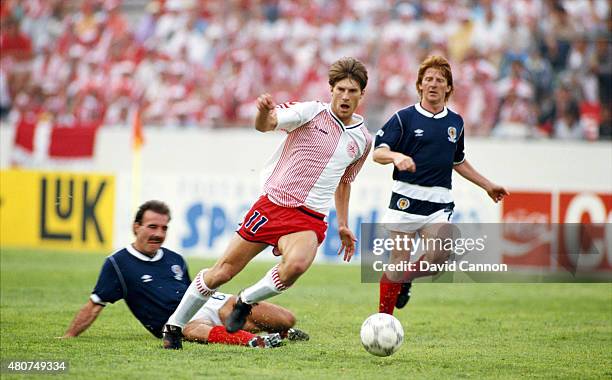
<point x="382" y="334"/>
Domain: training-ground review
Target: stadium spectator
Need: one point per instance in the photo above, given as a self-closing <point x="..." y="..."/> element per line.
<point x="565" y="115"/>
<point x="13" y="42"/>
<point x="325" y="148"/>
<point x="516" y="115"/>
<point x="424" y="142"/>
<point x="480" y="103"/>
<point x="152" y="279"/>
<point x="5" y="98"/>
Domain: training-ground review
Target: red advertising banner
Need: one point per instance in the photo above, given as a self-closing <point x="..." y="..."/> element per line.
<point x="524" y="244"/>
<point x="593" y="211"/>
<point x="561" y="230"/>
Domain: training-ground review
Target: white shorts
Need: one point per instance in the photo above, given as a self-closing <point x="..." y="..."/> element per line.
<point x="400" y="221"/>
<point x="210" y="310"/>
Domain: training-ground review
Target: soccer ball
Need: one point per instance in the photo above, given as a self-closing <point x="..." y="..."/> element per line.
<point x="381" y="334"/>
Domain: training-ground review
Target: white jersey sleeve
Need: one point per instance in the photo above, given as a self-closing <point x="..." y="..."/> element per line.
<point x="293" y="115"/>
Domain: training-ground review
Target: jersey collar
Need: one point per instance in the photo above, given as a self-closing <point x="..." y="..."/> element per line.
<point x="134" y="252"/>
<point x="357" y="124"/>
<point x="426" y="113"/>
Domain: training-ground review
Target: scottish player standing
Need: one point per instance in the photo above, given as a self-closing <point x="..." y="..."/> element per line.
<point x="325" y="148"/>
<point x="425" y="142"/>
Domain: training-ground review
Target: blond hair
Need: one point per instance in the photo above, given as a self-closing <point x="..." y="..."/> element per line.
<point x="439" y="63"/>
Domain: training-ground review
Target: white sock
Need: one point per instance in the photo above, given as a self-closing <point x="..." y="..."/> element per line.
<point x="269" y="286"/>
<point x="195" y="297"/>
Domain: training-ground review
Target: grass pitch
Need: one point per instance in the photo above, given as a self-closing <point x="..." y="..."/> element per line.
<point x="451" y="330"/>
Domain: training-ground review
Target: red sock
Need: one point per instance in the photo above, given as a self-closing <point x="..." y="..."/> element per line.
<point x="218" y="334"/>
<point x="417" y="272"/>
<point x="389" y="291"/>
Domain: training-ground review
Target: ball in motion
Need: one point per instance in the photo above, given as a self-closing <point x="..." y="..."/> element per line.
<point x="382" y="334"/>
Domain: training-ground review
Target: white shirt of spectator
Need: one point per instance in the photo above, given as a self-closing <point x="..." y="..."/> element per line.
<point x="318" y="153"/>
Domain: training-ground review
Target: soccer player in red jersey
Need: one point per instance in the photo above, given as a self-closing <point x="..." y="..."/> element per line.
<point x="325" y="148"/>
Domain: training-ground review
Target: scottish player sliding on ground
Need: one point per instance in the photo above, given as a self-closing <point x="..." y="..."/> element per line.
<point x="325" y="148"/>
<point x="424" y="142"/>
<point x="153" y="279"/>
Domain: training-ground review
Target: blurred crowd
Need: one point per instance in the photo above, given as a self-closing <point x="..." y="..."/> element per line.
<point x="522" y="68"/>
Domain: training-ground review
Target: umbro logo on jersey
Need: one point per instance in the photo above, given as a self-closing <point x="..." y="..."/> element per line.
<point x="146" y="278"/>
<point x="418" y="132"/>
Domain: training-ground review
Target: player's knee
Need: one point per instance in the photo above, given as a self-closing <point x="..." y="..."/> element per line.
<point x="289" y="318"/>
<point x="441" y="257"/>
<point x="296" y="268"/>
<point x="437" y="257"/>
<point x="286" y="319"/>
<point x="395" y="276"/>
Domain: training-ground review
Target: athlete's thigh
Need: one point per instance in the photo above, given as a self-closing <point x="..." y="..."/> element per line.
<point x="299" y="246"/>
<point x="436" y="240"/>
<point x="238" y="254"/>
<point x="266" y="316"/>
<point x="402" y="247"/>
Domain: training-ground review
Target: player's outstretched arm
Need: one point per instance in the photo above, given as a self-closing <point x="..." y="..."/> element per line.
<point x="342" y="197"/>
<point x="84" y="318"/>
<point x="266" y="119"/>
<point x="467" y="171"/>
<point x="383" y="155"/>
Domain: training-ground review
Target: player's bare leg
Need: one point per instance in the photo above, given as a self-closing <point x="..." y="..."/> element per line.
<point x="436" y="253"/>
<point x="434" y="238"/>
<point x="239" y="253"/>
<point x="298" y="250"/>
<point x="265" y="316"/>
<point x="399" y="256"/>
<point x="197" y="330"/>
<point x="236" y="257"/>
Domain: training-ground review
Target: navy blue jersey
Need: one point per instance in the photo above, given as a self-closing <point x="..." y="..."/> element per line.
<point x="434" y="142"/>
<point x="151" y="287"/>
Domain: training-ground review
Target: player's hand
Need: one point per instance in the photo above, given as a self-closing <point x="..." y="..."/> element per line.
<point x="266" y="119"/>
<point x="404" y="163"/>
<point x="497" y="193"/>
<point x="348" y="243"/>
<point x="265" y="103"/>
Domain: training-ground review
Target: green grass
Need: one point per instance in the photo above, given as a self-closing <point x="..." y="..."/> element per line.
<point x="452" y="330"/>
